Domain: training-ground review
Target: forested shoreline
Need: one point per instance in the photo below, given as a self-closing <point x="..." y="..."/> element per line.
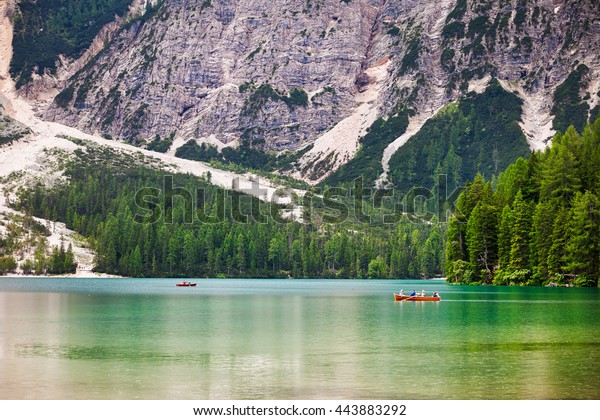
<point x="538" y="222"/>
<point x="99" y="201"/>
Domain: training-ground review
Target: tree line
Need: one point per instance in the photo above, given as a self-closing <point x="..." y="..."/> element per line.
<point x="99" y="202"/>
<point x="26" y="237"/>
<point x="538" y="222"/>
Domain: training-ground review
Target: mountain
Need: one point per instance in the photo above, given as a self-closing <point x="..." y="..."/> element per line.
<point x="10" y="130"/>
<point x="102" y="97"/>
<point x="349" y="86"/>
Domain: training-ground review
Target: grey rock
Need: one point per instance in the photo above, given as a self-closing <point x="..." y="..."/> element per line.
<point x="183" y="69"/>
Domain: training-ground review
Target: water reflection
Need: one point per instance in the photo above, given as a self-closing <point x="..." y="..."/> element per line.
<point x="334" y="342"/>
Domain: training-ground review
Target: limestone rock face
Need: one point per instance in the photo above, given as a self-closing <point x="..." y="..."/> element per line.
<point x="226" y="68"/>
<point x="281" y="74"/>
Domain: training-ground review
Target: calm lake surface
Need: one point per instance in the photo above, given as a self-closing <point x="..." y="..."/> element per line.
<point x="294" y="339"/>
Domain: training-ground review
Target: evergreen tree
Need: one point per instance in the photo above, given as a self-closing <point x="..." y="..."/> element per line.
<point x="456" y="247"/>
<point x="70" y="262"/>
<point x="241" y="254"/>
<point x="431" y="254"/>
<point x="296" y="257"/>
<point x="590" y="161"/>
<point x="482" y="240"/>
<point x="505" y="237"/>
<point x="557" y="252"/>
<point x="189" y="253"/>
<point x="136" y="263"/>
<point x="560" y="175"/>
<point x="101" y="202"/>
<point x="583" y="247"/>
<point x="520" y="234"/>
<point x="549" y="226"/>
<point x="513" y="179"/>
<point x="39" y="257"/>
<point x="543" y="225"/>
<point x="377" y="269"/>
<point x="277" y="251"/>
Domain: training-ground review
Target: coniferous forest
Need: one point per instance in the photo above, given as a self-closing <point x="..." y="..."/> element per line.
<point x="220" y="233"/>
<point x="535" y="223"/>
<point x="538" y="222"/>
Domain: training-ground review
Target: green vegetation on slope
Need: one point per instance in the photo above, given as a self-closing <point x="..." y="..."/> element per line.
<point x="367" y="162"/>
<point x="161" y="145"/>
<point x="265" y="92"/>
<point x="569" y="108"/>
<point x="539" y="223"/>
<point x="245" y="159"/>
<point x="23" y="235"/>
<point x="244" y="156"/>
<point x="233" y="235"/>
<point x="10" y="130"/>
<point x="479" y="133"/>
<point x="45" y="29"/>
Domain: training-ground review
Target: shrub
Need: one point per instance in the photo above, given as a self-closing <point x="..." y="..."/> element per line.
<point x="8" y="265"/>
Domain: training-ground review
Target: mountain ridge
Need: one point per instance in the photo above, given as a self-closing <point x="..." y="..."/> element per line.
<point x="220" y="72"/>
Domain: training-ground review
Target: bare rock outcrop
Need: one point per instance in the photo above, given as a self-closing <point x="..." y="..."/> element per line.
<point x="285" y="74"/>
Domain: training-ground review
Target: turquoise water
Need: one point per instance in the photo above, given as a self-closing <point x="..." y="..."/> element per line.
<point x="294" y="339"/>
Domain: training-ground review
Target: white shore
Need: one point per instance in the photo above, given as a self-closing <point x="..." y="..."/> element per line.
<point x="82" y="274"/>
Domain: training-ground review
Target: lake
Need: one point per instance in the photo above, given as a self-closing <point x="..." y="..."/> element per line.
<point x="294" y="339"/>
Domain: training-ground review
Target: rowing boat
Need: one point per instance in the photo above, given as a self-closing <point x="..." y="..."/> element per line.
<point x="185" y="284"/>
<point x="404" y="298"/>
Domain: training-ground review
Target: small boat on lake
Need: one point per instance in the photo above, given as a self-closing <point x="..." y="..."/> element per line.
<point x="417" y="298"/>
<point x="185" y="284"/>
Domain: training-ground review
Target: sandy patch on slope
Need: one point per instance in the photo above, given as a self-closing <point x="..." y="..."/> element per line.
<point x="340" y="143"/>
<point x="59" y="235"/>
<point x="536" y="121"/>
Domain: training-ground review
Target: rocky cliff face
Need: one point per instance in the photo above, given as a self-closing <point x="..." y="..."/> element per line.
<point x="283" y="74"/>
<point x="279" y="72"/>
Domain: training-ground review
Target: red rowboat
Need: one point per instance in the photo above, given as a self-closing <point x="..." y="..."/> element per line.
<point x="404" y="298"/>
<point x="185" y="284"/>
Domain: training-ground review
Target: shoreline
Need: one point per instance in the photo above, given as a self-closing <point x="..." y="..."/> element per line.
<point x="94" y="275"/>
<point x="84" y="274"/>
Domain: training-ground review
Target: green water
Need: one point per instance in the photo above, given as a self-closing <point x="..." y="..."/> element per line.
<point x="291" y="339"/>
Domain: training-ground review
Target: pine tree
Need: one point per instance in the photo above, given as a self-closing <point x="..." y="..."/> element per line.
<point x="590" y="162"/>
<point x="241" y="254"/>
<point x="482" y="240"/>
<point x="505" y="237"/>
<point x="377" y="269"/>
<point x="173" y="255"/>
<point x="277" y="252"/>
<point x="513" y="179"/>
<point x="521" y="234"/>
<point x="543" y="226"/>
<point x="296" y="257"/>
<point x="70" y="263"/>
<point x="39" y="257"/>
<point x="431" y="254"/>
<point x="560" y="175"/>
<point x="583" y="247"/>
<point x="557" y="252"/>
<point x="456" y="246"/>
<point x="473" y="195"/>
<point x="252" y="256"/>
<point x="136" y="263"/>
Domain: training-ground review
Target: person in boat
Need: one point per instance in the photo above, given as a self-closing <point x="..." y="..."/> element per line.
<point x="422" y="293"/>
<point x="401" y="292"/>
<point x="436" y="294"/>
<point x="414" y="293"/>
